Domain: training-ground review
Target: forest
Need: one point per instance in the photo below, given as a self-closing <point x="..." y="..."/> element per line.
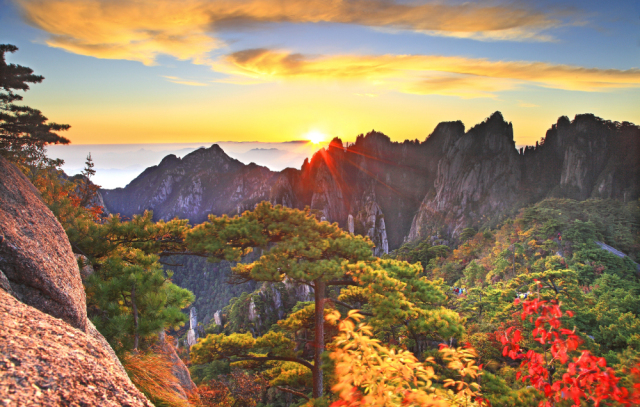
<point x="542" y="309"/>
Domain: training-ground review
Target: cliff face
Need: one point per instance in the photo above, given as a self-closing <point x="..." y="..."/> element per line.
<point x="395" y="192"/>
<point x="35" y="254"/>
<point x="586" y="158"/>
<point x="50" y="353"/>
<point x="478" y="174"/>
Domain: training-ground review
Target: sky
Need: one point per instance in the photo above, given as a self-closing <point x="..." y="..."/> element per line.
<point x="204" y="71"/>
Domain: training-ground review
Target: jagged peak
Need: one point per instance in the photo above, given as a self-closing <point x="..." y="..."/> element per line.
<point x="497" y="115"/>
<point x="214" y="150"/>
<point x="372" y="137"/>
<point x="496" y="120"/>
<point x="336" y="143"/>
<point x="446" y="127"/>
<point x="169" y="159"/>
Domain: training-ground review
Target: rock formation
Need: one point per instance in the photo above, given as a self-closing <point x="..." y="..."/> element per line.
<point x="35" y="254"/>
<point x="478" y="174"/>
<point x="205" y="181"/>
<point x="394" y="192"/>
<point x="192" y="333"/>
<point x="217" y="318"/>
<point x="50" y="353"/>
<point x="46" y="362"/>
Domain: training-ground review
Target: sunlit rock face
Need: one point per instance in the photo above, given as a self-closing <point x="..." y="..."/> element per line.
<point x="394" y="192"/>
<point x="46" y="340"/>
<point x="371" y="187"/>
<point x="478" y="174"/>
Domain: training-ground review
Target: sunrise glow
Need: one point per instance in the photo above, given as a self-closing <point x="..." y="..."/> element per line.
<point x="201" y="71"/>
<point x="315" y="137"/>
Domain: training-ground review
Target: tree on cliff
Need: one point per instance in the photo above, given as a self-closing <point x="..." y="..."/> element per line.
<point x="129" y="296"/>
<point x="322" y="256"/>
<point x="24" y="131"/>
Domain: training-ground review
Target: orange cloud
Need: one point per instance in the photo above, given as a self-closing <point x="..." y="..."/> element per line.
<point x="425" y="74"/>
<point x="141" y="30"/>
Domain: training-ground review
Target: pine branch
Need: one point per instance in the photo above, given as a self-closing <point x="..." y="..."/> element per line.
<point x="296" y="393"/>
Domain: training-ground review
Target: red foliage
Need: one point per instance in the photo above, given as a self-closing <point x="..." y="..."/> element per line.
<point x="587" y="377"/>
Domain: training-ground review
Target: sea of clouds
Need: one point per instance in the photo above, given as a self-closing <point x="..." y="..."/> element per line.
<point x="118" y="164"/>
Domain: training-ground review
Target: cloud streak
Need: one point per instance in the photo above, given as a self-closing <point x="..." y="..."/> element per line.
<point x="180" y="81"/>
<point x="425" y="74"/>
<point x="141" y="30"/>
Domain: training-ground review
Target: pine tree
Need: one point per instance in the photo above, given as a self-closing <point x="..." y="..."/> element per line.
<point x="24" y="131"/>
<point x="299" y="248"/>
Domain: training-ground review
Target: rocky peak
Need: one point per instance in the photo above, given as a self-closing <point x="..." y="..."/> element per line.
<point x="205" y="181"/>
<point x="478" y="174"/>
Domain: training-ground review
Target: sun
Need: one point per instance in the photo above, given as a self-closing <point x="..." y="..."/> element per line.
<point x="315" y="137"/>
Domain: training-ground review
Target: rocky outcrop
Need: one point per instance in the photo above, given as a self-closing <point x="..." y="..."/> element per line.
<point x="46" y="362"/>
<point x="217" y="317"/>
<point x="192" y="333"/>
<point x="584" y="158"/>
<point x="370" y="219"/>
<point x="35" y="254"/>
<point x="66" y="359"/>
<point x="203" y="182"/>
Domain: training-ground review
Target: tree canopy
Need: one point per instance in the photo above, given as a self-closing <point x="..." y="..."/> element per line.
<point x="301" y="249"/>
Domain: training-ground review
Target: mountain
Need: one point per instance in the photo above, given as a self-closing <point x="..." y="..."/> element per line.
<point x="396" y="192"/>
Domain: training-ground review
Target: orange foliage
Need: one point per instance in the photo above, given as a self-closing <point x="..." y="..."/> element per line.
<point x="370" y="374"/>
<point x="151" y="373"/>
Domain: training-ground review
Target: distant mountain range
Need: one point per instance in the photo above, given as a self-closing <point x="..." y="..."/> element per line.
<point x="396" y="192"/>
<point x="118" y="164"/>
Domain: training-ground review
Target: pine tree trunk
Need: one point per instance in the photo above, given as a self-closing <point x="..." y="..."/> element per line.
<point x="319" y="291"/>
<point x="136" y="337"/>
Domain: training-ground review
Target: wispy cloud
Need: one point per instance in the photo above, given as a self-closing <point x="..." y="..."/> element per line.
<point x="526" y="104"/>
<point x="181" y="81"/>
<point x="425" y="74"/>
<point x="141" y="30"/>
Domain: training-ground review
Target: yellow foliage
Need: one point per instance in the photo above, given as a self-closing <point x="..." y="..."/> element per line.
<point x="370" y="374"/>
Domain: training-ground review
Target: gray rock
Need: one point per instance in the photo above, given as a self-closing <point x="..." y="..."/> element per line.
<point x="4" y="283"/>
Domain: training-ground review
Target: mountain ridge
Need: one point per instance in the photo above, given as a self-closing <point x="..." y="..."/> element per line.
<point x="399" y="191"/>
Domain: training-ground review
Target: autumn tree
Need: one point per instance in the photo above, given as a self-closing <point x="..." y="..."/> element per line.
<point x="321" y="255"/>
<point x="372" y="374"/>
<point x="581" y="376"/>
